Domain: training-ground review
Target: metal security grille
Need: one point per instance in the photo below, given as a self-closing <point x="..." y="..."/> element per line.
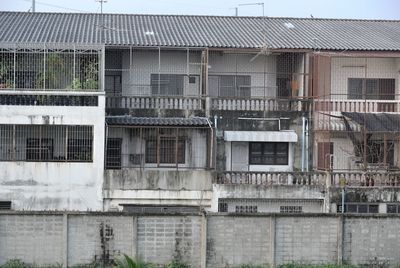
<point x="46" y="143"/>
<point x="158" y="147"/>
<point x="47" y="68"/>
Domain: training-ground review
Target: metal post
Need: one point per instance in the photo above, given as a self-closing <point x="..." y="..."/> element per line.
<point x="44" y="68"/>
<point x="15" y="66"/>
<point x="33" y="6"/>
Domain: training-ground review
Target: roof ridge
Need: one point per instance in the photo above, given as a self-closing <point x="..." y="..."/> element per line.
<point x="207" y="16"/>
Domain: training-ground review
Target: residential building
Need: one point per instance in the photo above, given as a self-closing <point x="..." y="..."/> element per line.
<point x="183" y="113"/>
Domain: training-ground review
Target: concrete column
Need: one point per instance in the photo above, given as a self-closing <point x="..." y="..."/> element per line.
<point x="203" y="244"/>
<point x="65" y="241"/>
<point x="134" y="252"/>
<point x="272" y="242"/>
<point x="340" y="239"/>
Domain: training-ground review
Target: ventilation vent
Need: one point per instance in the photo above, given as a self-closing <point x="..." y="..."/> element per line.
<point x="5" y="205"/>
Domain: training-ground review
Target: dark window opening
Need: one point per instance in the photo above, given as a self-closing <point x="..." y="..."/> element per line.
<point x="246" y="209"/>
<point x="371" y="89"/>
<point x="165" y="149"/>
<point x="80" y="149"/>
<point x="291" y="209"/>
<point x="5" y="205"/>
<point x="39" y="149"/>
<point x="268" y="153"/>
<point x="230" y="85"/>
<point x="392" y="208"/>
<point x="359" y="208"/>
<point x="222" y="207"/>
<point x="167" y="84"/>
<point x="113" y="157"/>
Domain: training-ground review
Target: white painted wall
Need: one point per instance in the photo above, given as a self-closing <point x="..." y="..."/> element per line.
<point x="55" y="185"/>
<point x="237" y="159"/>
<point x="344" y="68"/>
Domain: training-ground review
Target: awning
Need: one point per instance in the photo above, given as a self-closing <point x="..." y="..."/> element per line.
<point x="266" y="136"/>
<point x="336" y="124"/>
<point x="376" y="122"/>
<point x="127" y="120"/>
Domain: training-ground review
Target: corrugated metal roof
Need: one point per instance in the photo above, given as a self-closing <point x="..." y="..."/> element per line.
<point x="376" y="122"/>
<point x="126" y="120"/>
<point x="199" y="31"/>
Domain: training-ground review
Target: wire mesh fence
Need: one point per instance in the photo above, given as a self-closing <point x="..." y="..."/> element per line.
<point x="50" y="69"/>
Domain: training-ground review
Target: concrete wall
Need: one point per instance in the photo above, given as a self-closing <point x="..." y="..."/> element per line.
<point x="157" y="187"/>
<point x="214" y="240"/>
<point x="55" y="185"/>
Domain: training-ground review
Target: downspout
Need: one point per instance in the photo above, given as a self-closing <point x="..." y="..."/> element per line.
<point x="303" y="133"/>
<point x="105" y="160"/>
<point x="307" y="148"/>
<point x="212" y="141"/>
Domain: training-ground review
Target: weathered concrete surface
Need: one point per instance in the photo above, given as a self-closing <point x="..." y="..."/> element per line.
<point x="55" y="185"/>
<point x="162" y="239"/>
<point x="157" y="187"/>
<point x="281" y="192"/>
<point x="310" y="240"/>
<point x="156" y="179"/>
<point x="232" y="241"/>
<point x="228" y="240"/>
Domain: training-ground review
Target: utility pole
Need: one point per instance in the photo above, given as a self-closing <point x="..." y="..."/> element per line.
<point x="254" y="4"/>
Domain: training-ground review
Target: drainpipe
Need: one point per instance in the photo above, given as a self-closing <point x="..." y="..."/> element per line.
<point x="303" y="133"/>
<point x="307" y="147"/>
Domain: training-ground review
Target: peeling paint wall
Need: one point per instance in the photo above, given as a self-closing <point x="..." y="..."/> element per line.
<point x="55" y="185"/>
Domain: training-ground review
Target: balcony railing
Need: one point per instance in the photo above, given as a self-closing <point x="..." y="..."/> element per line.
<point x="271" y="178"/>
<point x="259" y="104"/>
<point x="334" y="179"/>
<point x="365" y="179"/>
<point x="155" y="102"/>
<point x="359" y="106"/>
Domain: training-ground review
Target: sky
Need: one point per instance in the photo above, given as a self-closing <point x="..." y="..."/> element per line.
<point x="352" y="9"/>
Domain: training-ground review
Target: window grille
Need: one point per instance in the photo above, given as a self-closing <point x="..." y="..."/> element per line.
<point x="46" y="143"/>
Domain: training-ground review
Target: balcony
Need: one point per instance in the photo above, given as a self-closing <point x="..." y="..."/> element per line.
<point x="365" y="179"/>
<point x="358" y="106"/>
<point x="156" y="102"/>
<point x="271" y="178"/>
<point x="50" y="68"/>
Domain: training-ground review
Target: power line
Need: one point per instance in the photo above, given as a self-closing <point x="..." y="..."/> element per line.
<point x="56" y="6"/>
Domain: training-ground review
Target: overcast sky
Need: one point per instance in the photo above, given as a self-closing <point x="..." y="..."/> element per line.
<point x="367" y="9"/>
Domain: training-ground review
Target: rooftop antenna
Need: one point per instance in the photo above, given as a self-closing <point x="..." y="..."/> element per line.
<point x="254" y="4"/>
<point x="33" y="6"/>
<point x="101" y="4"/>
<point x="236" y="10"/>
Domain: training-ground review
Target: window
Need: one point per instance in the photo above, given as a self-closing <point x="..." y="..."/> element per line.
<point x="46" y="143"/>
<point x="325" y="153"/>
<point x="291" y="209"/>
<point x="113" y="157"/>
<point x="268" y="153"/>
<point x="246" y="209"/>
<point x="167" y="84"/>
<point x="376" y="152"/>
<point x="222" y="207"/>
<point x="230" y="85"/>
<point x="113" y="85"/>
<point x="359" y="208"/>
<point x="392" y="208"/>
<point x="372" y="89"/>
<point x="80" y="149"/>
<point x="39" y="149"/>
<point x="5" y="205"/>
<point x="166" y="150"/>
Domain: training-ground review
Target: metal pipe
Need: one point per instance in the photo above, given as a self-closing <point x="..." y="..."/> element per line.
<point x="307" y="145"/>
<point x="303" y="143"/>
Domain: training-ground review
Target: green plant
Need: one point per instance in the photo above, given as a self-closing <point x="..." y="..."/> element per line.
<point x="128" y="262"/>
<point x="76" y="84"/>
<point x="176" y="264"/>
<point x="250" y="266"/>
<point x="91" y="77"/>
<point x="14" y="263"/>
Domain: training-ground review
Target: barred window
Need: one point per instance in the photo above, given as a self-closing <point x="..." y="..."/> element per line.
<point x="46" y="143"/>
<point x="269" y="153"/>
<point x="291" y="209"/>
